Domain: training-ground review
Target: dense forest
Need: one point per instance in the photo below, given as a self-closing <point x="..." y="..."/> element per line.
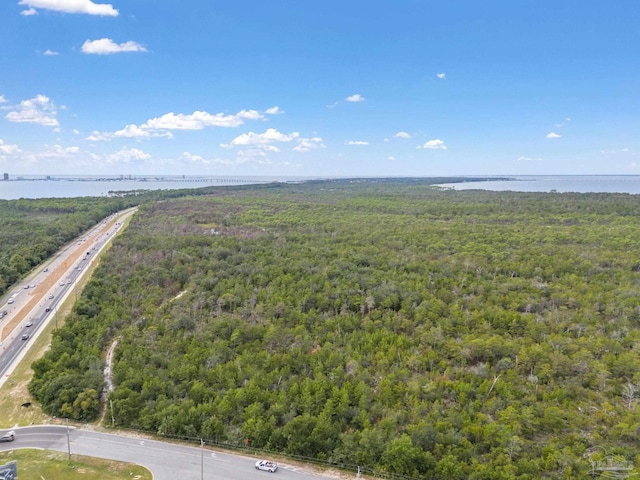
<point x="32" y="230"/>
<point x="392" y="325"/>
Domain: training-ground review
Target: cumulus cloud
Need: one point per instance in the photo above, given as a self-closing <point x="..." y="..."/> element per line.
<point x="553" y="135"/>
<point x="7" y="149"/>
<point x="195" y="121"/>
<point x="273" y="111"/>
<point x="269" y="136"/>
<point x="250" y="115"/>
<point x="70" y="6"/>
<point x="106" y="46"/>
<point x="308" y="144"/>
<point x="62" y="151"/>
<point x="50" y="53"/>
<point x="435" y="144"/>
<point x="162" y="126"/>
<point x="127" y="155"/>
<point x="441" y="76"/>
<point x="355" y="98"/>
<point x="29" y="12"/>
<point x="391" y="158"/>
<point x="2" y="99"/>
<point x="40" y="110"/>
<point x="356" y="142"/>
<point x="402" y="135"/>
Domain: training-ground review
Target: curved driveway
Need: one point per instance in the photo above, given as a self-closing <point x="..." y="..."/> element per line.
<point x="167" y="461"/>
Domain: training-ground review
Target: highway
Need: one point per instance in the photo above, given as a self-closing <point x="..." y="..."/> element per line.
<point x="35" y="301"/>
<point x="166" y="461"/>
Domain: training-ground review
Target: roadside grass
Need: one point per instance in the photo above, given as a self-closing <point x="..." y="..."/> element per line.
<point x="49" y="465"/>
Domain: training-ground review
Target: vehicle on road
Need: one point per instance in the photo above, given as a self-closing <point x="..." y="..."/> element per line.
<point x="25" y="336"/>
<point x="50" y="296"/>
<point x="8" y="437"/>
<point x="266" y="465"/>
<point x="48" y="309"/>
<point x="10" y="300"/>
<point x="28" y="324"/>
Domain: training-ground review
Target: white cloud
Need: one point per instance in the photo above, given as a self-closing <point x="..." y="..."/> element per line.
<point x="391" y="158"/>
<point x="62" y="151"/>
<point x="553" y="135"/>
<point x="355" y="98"/>
<point x="356" y="142"/>
<point x="402" y="135"/>
<point x="50" y="53"/>
<point x="71" y="6"/>
<point x="269" y="136"/>
<point x="134" y="131"/>
<point x="7" y="149"/>
<point x="435" y="144"/>
<point x="441" y="76"/>
<point x="29" y="12"/>
<point x="308" y="144"/>
<point x="127" y="155"/>
<point x="97" y="136"/>
<point x="162" y="126"/>
<point x="76" y="131"/>
<point x="273" y="111"/>
<point x="195" y="121"/>
<point x="106" y="46"/>
<point x="40" y="110"/>
<point x="250" y="114"/>
<point x="2" y="99"/>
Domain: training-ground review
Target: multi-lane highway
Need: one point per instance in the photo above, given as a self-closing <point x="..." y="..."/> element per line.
<point x="35" y="301"/>
<point x="166" y="461"/>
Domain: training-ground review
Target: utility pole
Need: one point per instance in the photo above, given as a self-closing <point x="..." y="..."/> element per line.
<point x="68" y="442"/>
<point x="201" y="459"/>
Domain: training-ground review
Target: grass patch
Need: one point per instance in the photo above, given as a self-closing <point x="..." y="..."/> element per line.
<point x="48" y="465"/>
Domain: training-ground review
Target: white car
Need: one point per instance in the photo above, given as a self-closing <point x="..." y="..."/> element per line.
<point x="8" y="437"/>
<point x="266" y="465"/>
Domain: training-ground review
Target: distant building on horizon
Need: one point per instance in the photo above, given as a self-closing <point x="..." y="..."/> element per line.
<point x="5" y="176"/>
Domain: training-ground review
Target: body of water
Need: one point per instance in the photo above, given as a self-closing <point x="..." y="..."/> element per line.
<point x="556" y="183"/>
<point x="32" y="186"/>
<point x="68" y="186"/>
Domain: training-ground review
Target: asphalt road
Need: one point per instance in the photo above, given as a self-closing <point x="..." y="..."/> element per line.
<point x="13" y="347"/>
<point x="167" y="461"/>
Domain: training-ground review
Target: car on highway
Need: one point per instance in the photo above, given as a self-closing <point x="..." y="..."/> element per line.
<point x="266" y="465"/>
<point x="50" y="296"/>
<point x="25" y="336"/>
<point x="10" y="300"/>
<point x="8" y="437"/>
<point x="62" y="284"/>
<point x="28" y="324"/>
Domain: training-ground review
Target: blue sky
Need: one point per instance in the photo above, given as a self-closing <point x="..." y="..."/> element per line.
<point x="331" y="88"/>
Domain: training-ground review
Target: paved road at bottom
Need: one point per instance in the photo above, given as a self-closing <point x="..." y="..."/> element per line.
<point x="167" y="461"/>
